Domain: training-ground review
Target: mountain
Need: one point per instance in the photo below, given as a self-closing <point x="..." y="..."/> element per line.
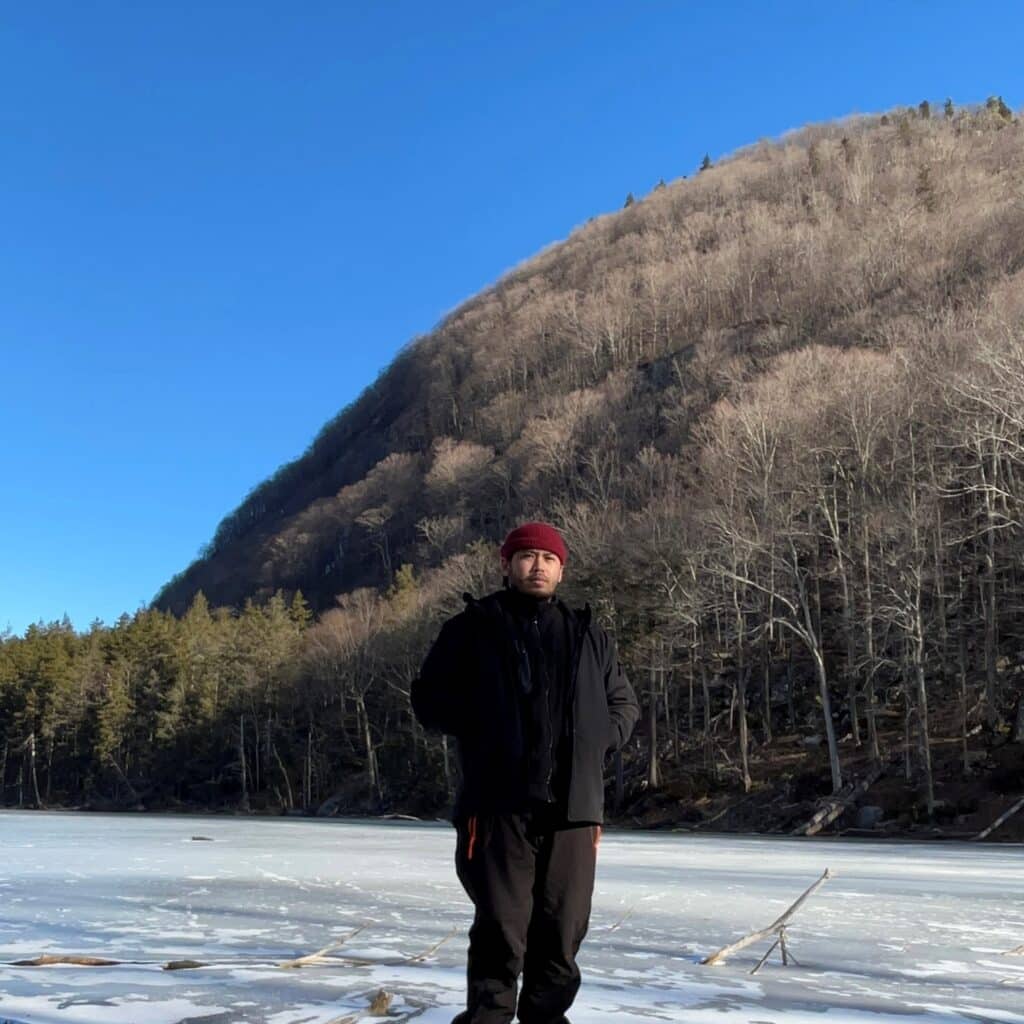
<point x="563" y="382"/>
<point x="776" y="410"/>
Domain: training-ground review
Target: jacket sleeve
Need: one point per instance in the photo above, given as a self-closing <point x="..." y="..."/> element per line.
<point x="438" y="693"/>
<point x="623" y="709"/>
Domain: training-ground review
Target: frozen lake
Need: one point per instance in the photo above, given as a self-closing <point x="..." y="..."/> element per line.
<point x="904" y="932"/>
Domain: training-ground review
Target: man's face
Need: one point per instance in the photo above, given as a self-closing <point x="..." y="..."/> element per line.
<point x="533" y="571"/>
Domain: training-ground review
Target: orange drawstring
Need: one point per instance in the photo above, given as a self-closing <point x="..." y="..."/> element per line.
<point x="472" y="837"/>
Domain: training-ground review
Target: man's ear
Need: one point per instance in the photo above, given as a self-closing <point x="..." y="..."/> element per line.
<point x="505" y="565"/>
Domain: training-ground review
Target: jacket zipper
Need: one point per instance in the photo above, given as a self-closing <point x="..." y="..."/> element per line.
<point x="535" y="626"/>
<point x="577" y="656"/>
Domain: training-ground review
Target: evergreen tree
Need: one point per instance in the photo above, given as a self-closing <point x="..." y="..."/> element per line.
<point x="924" y="110"/>
<point x="998" y="106"/>
<point x="706" y="162"/>
<point x="629" y="201"/>
<point x="299" y="611"/>
<point x="947" y="109"/>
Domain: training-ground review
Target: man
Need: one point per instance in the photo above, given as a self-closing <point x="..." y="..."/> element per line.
<point x="535" y="696"/>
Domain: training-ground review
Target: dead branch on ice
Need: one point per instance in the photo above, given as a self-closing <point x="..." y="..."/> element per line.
<point x="777" y="927"/>
<point x="984" y="833"/>
<point x="622" y="920"/>
<point x="418" y="956"/>
<point x="318" y="959"/>
<point x="48" y="960"/>
<point x="321" y="954"/>
<point x="1019" y="951"/>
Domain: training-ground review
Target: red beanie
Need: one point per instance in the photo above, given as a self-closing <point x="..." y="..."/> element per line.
<point x="541" y="536"/>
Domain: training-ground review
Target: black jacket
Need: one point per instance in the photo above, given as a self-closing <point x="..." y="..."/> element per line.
<point x="468" y="688"/>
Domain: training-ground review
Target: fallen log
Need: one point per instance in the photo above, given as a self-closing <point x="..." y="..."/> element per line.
<point x="985" y="833"/>
<point x="777" y="927"/>
<point x="836" y="805"/>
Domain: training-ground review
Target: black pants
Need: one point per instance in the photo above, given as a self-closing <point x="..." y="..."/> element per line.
<point x="531" y="880"/>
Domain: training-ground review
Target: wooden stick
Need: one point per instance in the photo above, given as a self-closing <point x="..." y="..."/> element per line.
<point x="1019" y="951"/>
<point x="774" y="928"/>
<point x="622" y="920"/>
<point x="786" y="955"/>
<point x="760" y="963"/>
<point x="984" y="834"/>
<point x="320" y="954"/>
<point x="420" y="956"/>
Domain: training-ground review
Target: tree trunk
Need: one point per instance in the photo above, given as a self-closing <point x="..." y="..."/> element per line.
<point x="991" y="640"/>
<point x="307" y="782"/>
<point x="690" y="705"/>
<point x="871" y="697"/>
<point x="1017" y="736"/>
<point x="652" y="729"/>
<point x="32" y="768"/>
<point x="287" y="783"/>
<point x="448" y="782"/>
<point x="372" y="777"/>
<point x="709" y="759"/>
<point x="962" y="673"/>
<point x="742" y="674"/>
<point x="241" y="762"/>
<point x="922" y="721"/>
<point x="830" y="733"/>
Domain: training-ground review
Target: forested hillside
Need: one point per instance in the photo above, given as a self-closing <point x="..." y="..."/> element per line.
<point x="776" y="410"/>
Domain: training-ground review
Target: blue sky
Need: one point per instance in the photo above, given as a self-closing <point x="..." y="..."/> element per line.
<point x="220" y="221"/>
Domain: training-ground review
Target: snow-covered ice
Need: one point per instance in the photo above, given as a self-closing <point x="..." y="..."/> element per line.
<point x="906" y="932"/>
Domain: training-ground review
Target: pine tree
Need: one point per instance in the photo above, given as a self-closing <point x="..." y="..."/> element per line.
<point x="998" y="106"/>
<point x="706" y="162"/>
<point x="402" y="593"/>
<point x="947" y="109"/>
<point x="629" y="201"/>
<point x="924" y="110"/>
<point x="299" y="611"/>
